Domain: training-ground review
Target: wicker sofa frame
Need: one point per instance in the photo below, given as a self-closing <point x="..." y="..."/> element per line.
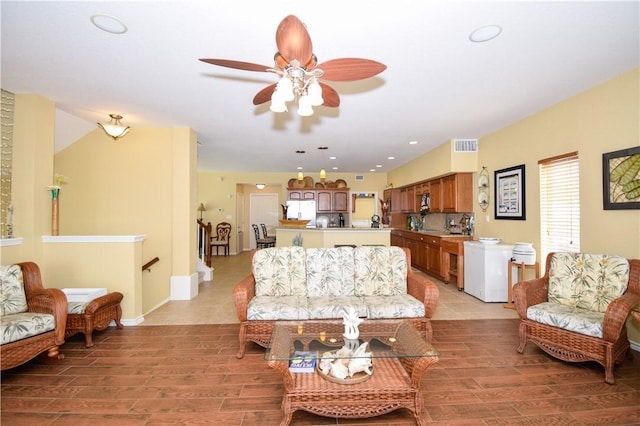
<point x="51" y="301"/>
<point x="259" y="331"/>
<point x="575" y="347"/>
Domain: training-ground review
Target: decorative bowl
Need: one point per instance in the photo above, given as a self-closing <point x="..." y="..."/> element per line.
<point x="294" y="223"/>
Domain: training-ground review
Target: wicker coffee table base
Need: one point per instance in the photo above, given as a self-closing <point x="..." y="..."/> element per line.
<point x="388" y="389"/>
<point x="395" y="382"/>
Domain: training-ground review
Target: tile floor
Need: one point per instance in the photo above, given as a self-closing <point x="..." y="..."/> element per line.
<point x="214" y="304"/>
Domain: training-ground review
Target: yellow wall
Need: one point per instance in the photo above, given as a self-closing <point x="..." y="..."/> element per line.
<point x="138" y="185"/>
<point x="600" y="120"/>
<point x="32" y="173"/>
<point x="123" y="187"/>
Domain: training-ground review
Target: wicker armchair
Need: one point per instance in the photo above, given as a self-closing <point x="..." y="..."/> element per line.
<point x="43" y="319"/>
<point x="571" y="332"/>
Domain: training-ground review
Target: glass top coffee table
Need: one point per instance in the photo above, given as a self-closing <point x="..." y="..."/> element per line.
<point x="399" y="357"/>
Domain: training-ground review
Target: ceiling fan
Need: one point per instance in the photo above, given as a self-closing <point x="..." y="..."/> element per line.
<point x="300" y="73"/>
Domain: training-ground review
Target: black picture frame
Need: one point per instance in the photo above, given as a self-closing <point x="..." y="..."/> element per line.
<point x="621" y="179"/>
<point x="509" y="193"/>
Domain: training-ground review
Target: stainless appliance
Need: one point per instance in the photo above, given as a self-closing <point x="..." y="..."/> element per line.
<point x="302" y="210"/>
<point x="485" y="270"/>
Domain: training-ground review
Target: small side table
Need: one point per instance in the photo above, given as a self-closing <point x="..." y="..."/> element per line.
<point x="520" y="276"/>
<point x="96" y="314"/>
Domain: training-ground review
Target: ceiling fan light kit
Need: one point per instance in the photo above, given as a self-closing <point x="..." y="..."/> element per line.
<point x="299" y="72"/>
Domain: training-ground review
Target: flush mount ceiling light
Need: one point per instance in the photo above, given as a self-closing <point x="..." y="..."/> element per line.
<point x="109" y="24"/>
<point x="486" y="33"/>
<point x="260" y="185"/>
<point x="113" y="128"/>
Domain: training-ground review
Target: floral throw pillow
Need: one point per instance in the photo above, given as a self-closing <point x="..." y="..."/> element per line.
<point x="587" y="281"/>
<point x="12" y="297"/>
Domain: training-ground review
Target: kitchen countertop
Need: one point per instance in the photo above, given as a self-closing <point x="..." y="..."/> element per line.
<point x="435" y="233"/>
<point x="334" y="229"/>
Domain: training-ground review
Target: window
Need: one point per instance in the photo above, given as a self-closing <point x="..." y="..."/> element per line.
<point x="559" y="204"/>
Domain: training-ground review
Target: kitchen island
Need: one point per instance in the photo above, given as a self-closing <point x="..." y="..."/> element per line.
<point x="331" y="237"/>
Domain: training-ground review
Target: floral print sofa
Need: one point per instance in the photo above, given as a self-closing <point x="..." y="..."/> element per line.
<point x="293" y="283"/>
<point x="32" y="318"/>
<point x="577" y="311"/>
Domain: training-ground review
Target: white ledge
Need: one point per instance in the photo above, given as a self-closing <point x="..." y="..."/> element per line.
<point x="92" y="238"/>
<point x="6" y="242"/>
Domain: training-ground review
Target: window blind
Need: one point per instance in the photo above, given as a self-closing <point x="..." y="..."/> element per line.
<point x="559" y="204"/>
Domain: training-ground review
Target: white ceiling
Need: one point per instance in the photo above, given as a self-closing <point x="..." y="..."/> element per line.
<point x="438" y="84"/>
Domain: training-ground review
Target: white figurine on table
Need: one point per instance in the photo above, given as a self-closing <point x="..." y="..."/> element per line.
<point x="351" y="323"/>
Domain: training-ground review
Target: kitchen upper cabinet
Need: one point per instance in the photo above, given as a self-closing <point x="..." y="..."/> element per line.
<point x="302" y="195"/>
<point x="332" y="201"/>
<point x="341" y="201"/>
<point x="435" y="192"/>
<point x="457" y="193"/>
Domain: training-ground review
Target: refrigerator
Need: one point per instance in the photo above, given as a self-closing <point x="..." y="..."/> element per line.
<point x="486" y="268"/>
<point x="302" y="210"/>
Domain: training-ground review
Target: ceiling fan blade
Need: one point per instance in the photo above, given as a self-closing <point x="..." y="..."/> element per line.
<point x="264" y="95"/>
<point x="330" y="96"/>
<point x="293" y="40"/>
<point x="247" y="66"/>
<point x="350" y="69"/>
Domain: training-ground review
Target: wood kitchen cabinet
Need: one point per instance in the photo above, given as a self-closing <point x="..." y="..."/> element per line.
<point x="457" y="193"/>
<point x="434" y="256"/>
<point x="453" y="260"/>
<point x="302" y="195"/>
<point x="435" y="192"/>
<point x="332" y="201"/>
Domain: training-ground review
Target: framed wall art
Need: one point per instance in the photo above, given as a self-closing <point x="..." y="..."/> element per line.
<point x="510" y="193"/>
<point x="621" y="179"/>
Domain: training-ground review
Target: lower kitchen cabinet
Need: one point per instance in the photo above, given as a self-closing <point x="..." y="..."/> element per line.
<point x="439" y="256"/>
<point x="453" y="260"/>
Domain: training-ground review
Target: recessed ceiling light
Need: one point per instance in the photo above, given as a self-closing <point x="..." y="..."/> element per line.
<point x="334" y="168"/>
<point x="332" y="158"/>
<point x="391" y="158"/>
<point x="372" y="170"/>
<point x="486" y="33"/>
<point x="413" y="142"/>
<point x="109" y="24"/>
<point x="299" y="168"/>
<point x="378" y="165"/>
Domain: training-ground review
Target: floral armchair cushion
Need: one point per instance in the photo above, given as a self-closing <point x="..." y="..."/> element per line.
<point x="330" y="272"/>
<point x="380" y="271"/>
<point x="12" y="296"/>
<point x="24" y="324"/>
<point x="280" y="271"/>
<point x="587" y="281"/>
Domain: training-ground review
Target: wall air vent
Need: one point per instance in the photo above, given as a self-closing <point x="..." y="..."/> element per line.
<point x="359" y="178"/>
<point x="465" y="145"/>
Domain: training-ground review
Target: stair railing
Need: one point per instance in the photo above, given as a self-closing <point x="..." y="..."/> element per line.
<point x="204" y="242"/>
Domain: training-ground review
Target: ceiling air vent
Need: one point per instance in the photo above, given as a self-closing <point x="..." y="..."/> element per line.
<point x="359" y="178"/>
<point x="465" y="145"/>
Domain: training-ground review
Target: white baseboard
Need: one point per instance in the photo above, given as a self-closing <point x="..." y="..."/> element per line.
<point x="184" y="287"/>
<point x="635" y="345"/>
<point x="128" y="322"/>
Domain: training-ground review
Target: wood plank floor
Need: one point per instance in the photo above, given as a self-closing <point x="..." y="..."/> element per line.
<point x="188" y="374"/>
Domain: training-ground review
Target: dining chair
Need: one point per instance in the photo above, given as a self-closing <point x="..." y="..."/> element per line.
<point x="262" y="242"/>
<point x="222" y="237"/>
